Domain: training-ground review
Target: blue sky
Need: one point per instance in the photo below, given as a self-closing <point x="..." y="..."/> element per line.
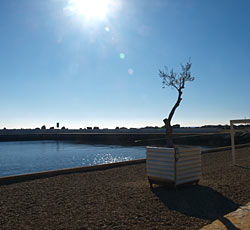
<point x="59" y="65"/>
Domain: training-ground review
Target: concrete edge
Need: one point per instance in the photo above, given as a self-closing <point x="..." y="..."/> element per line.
<point x="46" y="174"/>
<point x="225" y="148"/>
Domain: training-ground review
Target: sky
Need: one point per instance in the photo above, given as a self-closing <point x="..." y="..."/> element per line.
<point x="96" y="63"/>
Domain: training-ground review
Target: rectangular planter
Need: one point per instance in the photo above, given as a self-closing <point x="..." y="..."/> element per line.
<point x="174" y="166"/>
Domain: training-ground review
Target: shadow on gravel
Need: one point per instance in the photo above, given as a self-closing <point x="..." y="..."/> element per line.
<point x="197" y="201"/>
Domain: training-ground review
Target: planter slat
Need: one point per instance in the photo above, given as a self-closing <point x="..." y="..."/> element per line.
<point x="190" y="166"/>
<point x="188" y="180"/>
<point x="188" y="175"/>
<point x="188" y="158"/>
<point x="160" y="167"/>
<point x="169" y="156"/>
<point x="189" y="163"/>
<point x="187" y="150"/>
<point x="160" y="149"/>
<point x="160" y="158"/>
<point x="162" y="163"/>
<point x="188" y="154"/>
<point x="161" y="176"/>
<point x="184" y="172"/>
<point x="160" y="172"/>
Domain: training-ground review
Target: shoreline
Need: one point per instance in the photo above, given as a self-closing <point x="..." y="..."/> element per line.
<point x="50" y="173"/>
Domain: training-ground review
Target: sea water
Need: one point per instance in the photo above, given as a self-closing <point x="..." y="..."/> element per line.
<point x="21" y="157"/>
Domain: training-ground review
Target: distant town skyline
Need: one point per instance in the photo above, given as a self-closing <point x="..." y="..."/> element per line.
<point x="45" y="127"/>
<point x="96" y="63"/>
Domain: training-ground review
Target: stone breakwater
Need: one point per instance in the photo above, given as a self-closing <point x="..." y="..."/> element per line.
<point x="142" y="139"/>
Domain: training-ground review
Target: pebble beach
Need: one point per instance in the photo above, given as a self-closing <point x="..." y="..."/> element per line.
<point x="120" y="198"/>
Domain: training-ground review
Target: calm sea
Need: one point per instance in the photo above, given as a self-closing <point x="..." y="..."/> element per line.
<point x="36" y="156"/>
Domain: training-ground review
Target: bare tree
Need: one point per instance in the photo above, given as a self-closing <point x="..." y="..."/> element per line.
<point x="176" y="81"/>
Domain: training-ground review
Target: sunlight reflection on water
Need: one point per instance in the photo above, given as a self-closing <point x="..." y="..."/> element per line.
<point x="109" y="158"/>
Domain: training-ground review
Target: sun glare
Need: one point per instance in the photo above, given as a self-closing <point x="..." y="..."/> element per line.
<point x="90" y="9"/>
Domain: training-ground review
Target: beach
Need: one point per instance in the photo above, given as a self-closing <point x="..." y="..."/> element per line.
<point x="120" y="198"/>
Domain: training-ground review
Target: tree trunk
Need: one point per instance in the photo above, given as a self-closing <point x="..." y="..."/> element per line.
<point x="169" y="133"/>
<point x="167" y="121"/>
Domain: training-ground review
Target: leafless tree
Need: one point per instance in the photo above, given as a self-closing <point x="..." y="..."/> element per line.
<point x="176" y="81"/>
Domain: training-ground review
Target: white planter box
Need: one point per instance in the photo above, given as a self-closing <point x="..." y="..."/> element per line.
<point x="174" y="166"/>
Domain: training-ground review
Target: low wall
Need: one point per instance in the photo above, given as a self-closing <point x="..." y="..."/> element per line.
<point x="91" y="138"/>
<point x="126" y="138"/>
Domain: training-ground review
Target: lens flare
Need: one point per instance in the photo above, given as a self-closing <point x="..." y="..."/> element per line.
<point x="107" y="28"/>
<point x="130" y="71"/>
<point x="122" y="55"/>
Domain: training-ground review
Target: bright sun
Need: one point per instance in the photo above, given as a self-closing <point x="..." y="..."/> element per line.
<point x="90" y="9"/>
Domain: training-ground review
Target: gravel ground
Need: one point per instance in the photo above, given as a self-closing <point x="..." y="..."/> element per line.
<point x="120" y="198"/>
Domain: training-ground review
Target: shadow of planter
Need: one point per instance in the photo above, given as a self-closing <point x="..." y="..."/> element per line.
<point x="196" y="201"/>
